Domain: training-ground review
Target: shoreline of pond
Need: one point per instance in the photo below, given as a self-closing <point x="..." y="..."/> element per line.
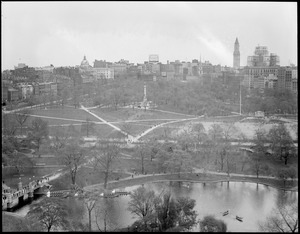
<point x="190" y="177"/>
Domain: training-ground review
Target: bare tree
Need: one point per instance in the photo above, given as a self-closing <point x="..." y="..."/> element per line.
<point x="21" y="118"/>
<point x="283" y="174"/>
<point x="50" y="212"/>
<point x="59" y="139"/>
<point x="45" y="98"/>
<point x="105" y="157"/>
<point x="284" y="218"/>
<point x="199" y="133"/>
<point x="215" y="132"/>
<point x="39" y="131"/>
<point x="102" y="212"/>
<point x="9" y="125"/>
<point x="228" y="131"/>
<point x="180" y="161"/>
<point x="243" y="160"/>
<point x="142" y="152"/>
<point x="64" y="96"/>
<point x="222" y="156"/>
<point x="281" y="142"/>
<point x="257" y="166"/>
<point x="19" y="161"/>
<point x="90" y="203"/>
<point x="115" y="97"/>
<point x="185" y="139"/>
<point x="142" y="204"/>
<point x="73" y="156"/>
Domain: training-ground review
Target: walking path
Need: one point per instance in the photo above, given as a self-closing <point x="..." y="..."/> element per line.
<point x="172" y="112"/>
<point x="103" y="120"/>
<point x="130" y="137"/>
<point x="135" y="139"/>
<point x="49" y="117"/>
<point x="137" y="179"/>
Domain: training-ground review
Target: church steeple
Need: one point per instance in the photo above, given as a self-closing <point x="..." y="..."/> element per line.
<point x="236" y="54"/>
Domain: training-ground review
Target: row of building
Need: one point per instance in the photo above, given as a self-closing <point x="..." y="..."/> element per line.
<point x="262" y="71"/>
<point x="23" y="91"/>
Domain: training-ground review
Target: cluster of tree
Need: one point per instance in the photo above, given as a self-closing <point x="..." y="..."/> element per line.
<point x="195" y="98"/>
<point x="210" y="224"/>
<point x="36" y="132"/>
<point x="184" y="97"/>
<point x="161" y="212"/>
<point x="286" y="173"/>
<point x="67" y="145"/>
<point x="272" y="101"/>
<point x="49" y="214"/>
<point x="55" y="214"/>
<point x="214" y="148"/>
<point x="170" y="157"/>
<point x="192" y="145"/>
<point x="277" y="141"/>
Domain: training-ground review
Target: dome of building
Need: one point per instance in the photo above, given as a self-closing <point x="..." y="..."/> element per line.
<point x="84" y="62"/>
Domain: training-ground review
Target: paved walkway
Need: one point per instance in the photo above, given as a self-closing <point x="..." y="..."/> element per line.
<point x="196" y="170"/>
<point x="130" y="137"/>
<point x="104" y="121"/>
<point x="172" y="112"/>
<point x="49" y="117"/>
<point x="135" y="139"/>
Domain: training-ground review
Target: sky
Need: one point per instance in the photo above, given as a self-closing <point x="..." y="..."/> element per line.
<point x="61" y="33"/>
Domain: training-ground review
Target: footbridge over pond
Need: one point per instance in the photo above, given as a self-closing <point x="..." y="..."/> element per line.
<point x="14" y="197"/>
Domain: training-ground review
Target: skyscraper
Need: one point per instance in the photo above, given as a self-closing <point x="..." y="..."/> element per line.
<point x="236" y="54"/>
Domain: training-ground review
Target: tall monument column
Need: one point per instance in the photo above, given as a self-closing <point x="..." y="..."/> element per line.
<point x="236" y="54"/>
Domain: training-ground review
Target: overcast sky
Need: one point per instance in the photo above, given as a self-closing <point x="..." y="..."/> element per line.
<point x="61" y="33"/>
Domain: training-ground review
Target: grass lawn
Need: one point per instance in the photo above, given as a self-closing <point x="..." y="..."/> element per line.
<point x="123" y="114"/>
<point x="66" y="112"/>
<point x="138" y="127"/>
<point x="11" y="177"/>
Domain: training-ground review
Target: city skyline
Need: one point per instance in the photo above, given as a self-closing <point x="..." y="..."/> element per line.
<point x="61" y="33"/>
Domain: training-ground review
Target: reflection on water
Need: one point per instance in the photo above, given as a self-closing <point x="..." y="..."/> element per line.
<point x="251" y="201"/>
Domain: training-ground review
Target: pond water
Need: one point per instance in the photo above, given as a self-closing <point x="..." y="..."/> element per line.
<point x="251" y="201"/>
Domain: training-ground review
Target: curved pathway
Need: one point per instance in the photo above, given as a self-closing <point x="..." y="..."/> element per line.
<point x="140" y="179"/>
<point x="130" y="137"/>
<point x="135" y="139"/>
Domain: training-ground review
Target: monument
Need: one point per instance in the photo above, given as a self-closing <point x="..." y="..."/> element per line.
<point x="145" y="103"/>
